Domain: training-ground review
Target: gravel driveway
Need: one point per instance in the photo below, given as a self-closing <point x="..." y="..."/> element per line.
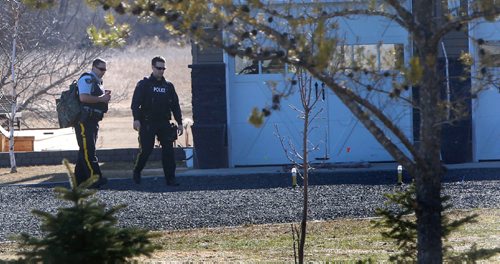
<point x="214" y="201"/>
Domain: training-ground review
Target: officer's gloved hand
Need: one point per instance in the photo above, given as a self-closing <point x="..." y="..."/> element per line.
<point x="137" y="125"/>
<point x="180" y="130"/>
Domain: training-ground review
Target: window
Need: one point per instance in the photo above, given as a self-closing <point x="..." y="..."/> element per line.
<point x="365" y="56"/>
<point x="272" y="66"/>
<point x="375" y="56"/>
<point x="380" y="57"/>
<point x="391" y="56"/>
<point x="247" y="66"/>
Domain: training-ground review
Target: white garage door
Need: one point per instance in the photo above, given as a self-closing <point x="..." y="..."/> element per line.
<point x="337" y="134"/>
<point x="486" y="107"/>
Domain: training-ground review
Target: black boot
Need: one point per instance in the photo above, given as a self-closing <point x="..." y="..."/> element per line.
<point x="99" y="183"/>
<point x="172" y="182"/>
<point x="137" y="177"/>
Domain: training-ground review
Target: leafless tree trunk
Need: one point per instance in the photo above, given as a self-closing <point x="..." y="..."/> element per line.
<point x="13" y="111"/>
<point x="309" y="101"/>
<point x="305" y="167"/>
<point x="308" y="104"/>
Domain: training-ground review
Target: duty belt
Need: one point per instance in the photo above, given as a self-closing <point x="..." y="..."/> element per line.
<point x="90" y="109"/>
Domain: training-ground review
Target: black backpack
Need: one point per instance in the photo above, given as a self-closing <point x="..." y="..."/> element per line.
<point x="68" y="106"/>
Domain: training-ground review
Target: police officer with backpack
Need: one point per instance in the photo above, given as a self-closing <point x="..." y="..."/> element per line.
<point x="94" y="103"/>
<point x="153" y="102"/>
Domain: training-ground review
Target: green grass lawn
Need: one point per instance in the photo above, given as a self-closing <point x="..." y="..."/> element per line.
<point x="337" y="240"/>
<point x="340" y="240"/>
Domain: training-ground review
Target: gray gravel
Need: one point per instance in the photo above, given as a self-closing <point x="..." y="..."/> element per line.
<point x="215" y="201"/>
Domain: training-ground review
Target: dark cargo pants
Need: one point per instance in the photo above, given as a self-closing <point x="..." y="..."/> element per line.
<point x="147" y="133"/>
<point x="87" y="163"/>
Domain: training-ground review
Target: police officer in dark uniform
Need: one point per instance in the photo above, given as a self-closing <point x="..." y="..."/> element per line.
<point x="153" y="102"/>
<point x="94" y="101"/>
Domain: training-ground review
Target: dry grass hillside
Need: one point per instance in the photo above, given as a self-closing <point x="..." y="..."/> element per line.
<point x="126" y="67"/>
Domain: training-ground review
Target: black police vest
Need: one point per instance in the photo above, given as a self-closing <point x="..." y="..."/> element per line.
<point x="157" y="102"/>
<point x="96" y="90"/>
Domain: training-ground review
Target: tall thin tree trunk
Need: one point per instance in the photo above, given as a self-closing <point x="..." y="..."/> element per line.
<point x="13" y="166"/>
<point x="305" y="167"/>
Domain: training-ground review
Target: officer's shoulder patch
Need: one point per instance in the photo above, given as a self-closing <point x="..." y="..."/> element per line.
<point x="88" y="80"/>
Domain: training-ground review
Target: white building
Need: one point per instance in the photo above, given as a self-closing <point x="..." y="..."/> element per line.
<point x="224" y="137"/>
<point x="47" y="139"/>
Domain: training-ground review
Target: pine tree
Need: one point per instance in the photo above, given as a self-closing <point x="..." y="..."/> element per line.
<point x="85" y="232"/>
<point x="402" y="229"/>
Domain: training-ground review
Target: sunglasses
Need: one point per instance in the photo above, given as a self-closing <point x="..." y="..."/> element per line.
<point x="160" y="68"/>
<point x="101" y="69"/>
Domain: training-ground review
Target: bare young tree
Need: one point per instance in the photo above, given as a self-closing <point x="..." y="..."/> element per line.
<point x="11" y="117"/>
<point x="39" y="55"/>
<point x="47" y="58"/>
<point x="308" y="112"/>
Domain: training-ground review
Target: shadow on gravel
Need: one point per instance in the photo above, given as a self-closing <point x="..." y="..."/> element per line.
<point x="43" y="179"/>
<point x="280" y="180"/>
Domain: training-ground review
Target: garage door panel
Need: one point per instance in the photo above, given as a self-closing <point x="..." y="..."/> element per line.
<point x="353" y="143"/>
<point x="262" y="145"/>
<point x="485" y="108"/>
